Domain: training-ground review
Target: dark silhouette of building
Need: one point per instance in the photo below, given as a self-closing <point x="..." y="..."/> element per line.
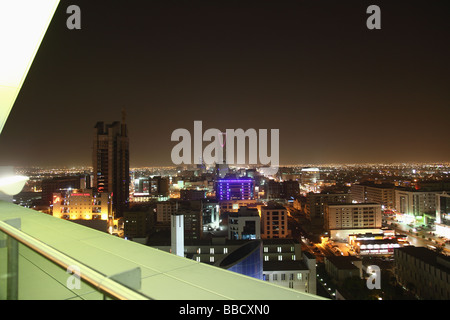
<point x="282" y="190"/>
<point x="192" y="194"/>
<point x="49" y="186"/>
<point x="111" y="165"/>
<point x="152" y="186"/>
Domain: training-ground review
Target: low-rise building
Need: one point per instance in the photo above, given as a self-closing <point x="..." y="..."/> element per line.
<point x="442" y="222"/>
<point x="341" y="220"/>
<point x="415" y="206"/>
<point x="383" y="194"/>
<point x="274" y="222"/>
<point x="340" y="268"/>
<point x="244" y="224"/>
<point x="82" y="204"/>
<point x="316" y="203"/>
<point x="286" y="265"/>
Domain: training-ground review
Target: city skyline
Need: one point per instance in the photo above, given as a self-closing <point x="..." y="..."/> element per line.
<point x="338" y="92"/>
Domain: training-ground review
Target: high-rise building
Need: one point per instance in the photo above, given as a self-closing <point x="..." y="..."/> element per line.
<point x="111" y="163"/>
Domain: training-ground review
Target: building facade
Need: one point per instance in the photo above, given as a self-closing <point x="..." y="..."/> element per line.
<point x="342" y="220"/>
<point x="82" y="204"/>
<point x="234" y="205"/>
<point x="286" y="265"/>
<point x="274" y="222"/>
<point x="49" y="186"/>
<point x="281" y="190"/>
<point x="383" y="194"/>
<point x="164" y="210"/>
<point x="424" y="272"/>
<point x="244" y="224"/>
<point x="316" y="202"/>
<point x="415" y="206"/>
<point x="443" y="215"/>
<point x="136" y="224"/>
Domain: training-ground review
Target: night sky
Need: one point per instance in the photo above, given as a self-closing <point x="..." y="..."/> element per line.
<point x="337" y="91"/>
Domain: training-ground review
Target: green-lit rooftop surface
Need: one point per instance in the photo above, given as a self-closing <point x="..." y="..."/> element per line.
<point x="164" y="276"/>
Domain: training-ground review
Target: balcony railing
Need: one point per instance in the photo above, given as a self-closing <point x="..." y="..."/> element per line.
<point x="24" y="280"/>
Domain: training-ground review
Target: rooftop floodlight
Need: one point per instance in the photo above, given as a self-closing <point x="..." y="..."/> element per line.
<point x="23" y="24"/>
<point x="12" y="185"/>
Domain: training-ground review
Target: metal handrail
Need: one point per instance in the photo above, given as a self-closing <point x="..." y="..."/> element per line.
<point x="102" y="283"/>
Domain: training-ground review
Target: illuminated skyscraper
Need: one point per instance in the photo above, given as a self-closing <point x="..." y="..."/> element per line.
<point x="111" y="163"/>
<point x="235" y="189"/>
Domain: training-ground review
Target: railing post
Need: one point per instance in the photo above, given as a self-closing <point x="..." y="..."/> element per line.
<point x="12" y="284"/>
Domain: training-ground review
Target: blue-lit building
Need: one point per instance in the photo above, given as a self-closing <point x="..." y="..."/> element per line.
<point x="235" y="189"/>
<point x="246" y="260"/>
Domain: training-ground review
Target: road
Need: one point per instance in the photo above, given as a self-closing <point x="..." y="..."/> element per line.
<point x="296" y="218"/>
<point x="419" y="240"/>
